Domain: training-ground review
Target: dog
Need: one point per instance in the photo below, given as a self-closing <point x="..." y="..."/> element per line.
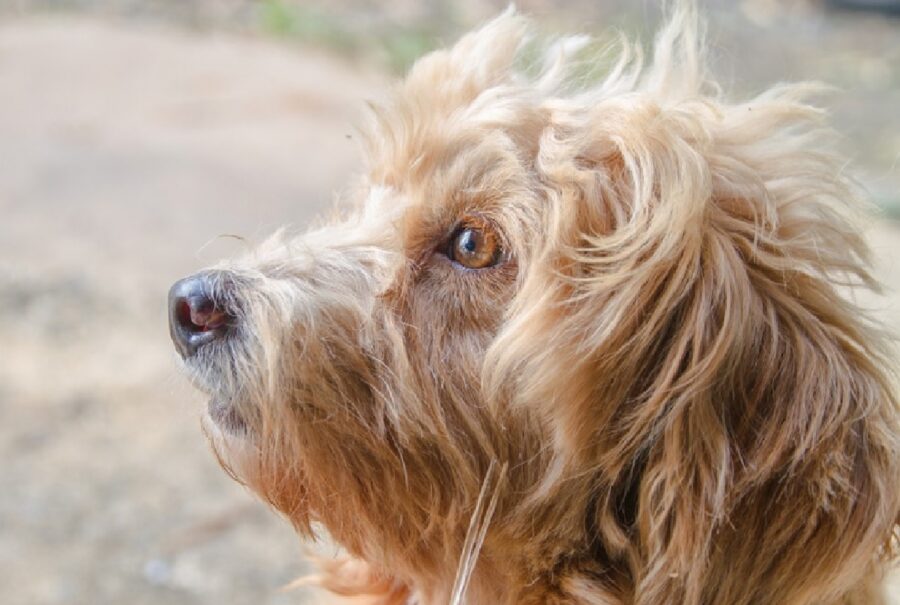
<point x="571" y="340"/>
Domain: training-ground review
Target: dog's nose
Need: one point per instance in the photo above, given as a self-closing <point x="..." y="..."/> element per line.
<point x="194" y="318"/>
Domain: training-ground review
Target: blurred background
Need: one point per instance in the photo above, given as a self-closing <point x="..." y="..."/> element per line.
<point x="134" y="134"/>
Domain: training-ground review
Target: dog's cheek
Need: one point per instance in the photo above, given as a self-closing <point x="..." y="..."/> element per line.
<point x="462" y="300"/>
<point x="443" y="321"/>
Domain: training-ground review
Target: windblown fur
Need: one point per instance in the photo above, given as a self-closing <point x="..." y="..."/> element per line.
<point x="664" y="395"/>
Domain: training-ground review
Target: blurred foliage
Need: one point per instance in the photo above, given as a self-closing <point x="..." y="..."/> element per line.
<point x="305" y="24"/>
<point x="404" y="47"/>
<point x="397" y="47"/>
<point x="890" y="207"/>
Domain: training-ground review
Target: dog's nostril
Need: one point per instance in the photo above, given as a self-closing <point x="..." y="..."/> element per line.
<point x="194" y="318"/>
<point x="199" y="314"/>
<point x="183" y="314"/>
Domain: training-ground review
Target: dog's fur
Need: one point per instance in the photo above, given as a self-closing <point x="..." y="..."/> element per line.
<point x="662" y="395"/>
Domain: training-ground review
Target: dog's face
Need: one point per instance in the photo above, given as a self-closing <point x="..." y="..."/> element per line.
<point x="347" y="366"/>
<point x="622" y="295"/>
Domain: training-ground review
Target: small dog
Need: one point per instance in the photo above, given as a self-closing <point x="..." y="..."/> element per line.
<point x="575" y="343"/>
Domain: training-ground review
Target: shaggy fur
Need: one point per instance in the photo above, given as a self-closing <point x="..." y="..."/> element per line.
<point x="662" y="394"/>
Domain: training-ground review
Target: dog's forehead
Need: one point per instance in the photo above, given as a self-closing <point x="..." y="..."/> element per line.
<point x="411" y="142"/>
<point x="456" y="100"/>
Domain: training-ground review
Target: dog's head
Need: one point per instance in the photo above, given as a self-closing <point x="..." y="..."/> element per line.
<point x="601" y="320"/>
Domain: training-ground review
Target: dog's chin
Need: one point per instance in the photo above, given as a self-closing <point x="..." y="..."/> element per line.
<point x="227" y="419"/>
<point x="230" y="440"/>
<point x="222" y="415"/>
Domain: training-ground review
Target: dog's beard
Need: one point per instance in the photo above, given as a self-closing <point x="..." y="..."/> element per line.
<point x="214" y="370"/>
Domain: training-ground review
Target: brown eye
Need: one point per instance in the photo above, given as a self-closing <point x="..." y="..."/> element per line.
<point x="475" y="247"/>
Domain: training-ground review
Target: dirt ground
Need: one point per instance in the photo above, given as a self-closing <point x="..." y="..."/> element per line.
<point x="126" y="151"/>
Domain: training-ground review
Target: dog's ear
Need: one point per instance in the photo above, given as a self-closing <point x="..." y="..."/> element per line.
<point x="686" y="336"/>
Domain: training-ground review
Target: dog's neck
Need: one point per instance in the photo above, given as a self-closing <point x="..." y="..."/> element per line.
<point x="511" y="557"/>
<point x="494" y="581"/>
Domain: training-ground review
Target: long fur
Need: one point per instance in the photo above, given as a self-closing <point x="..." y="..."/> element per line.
<point x="690" y="407"/>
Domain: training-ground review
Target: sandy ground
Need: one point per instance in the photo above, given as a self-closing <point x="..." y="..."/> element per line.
<point x="124" y="152"/>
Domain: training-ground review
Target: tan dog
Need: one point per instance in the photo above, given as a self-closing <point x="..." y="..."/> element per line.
<point x="574" y="345"/>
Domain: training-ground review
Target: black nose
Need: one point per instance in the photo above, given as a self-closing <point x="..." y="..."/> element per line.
<point x="194" y="318"/>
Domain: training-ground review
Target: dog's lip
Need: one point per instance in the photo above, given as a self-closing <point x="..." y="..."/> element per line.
<point x="225" y="415"/>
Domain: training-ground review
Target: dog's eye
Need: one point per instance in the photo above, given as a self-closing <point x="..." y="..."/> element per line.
<point x="475" y="246"/>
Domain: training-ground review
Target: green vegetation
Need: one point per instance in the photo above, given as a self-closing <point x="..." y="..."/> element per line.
<point x="890" y="207"/>
<point x="394" y="46"/>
